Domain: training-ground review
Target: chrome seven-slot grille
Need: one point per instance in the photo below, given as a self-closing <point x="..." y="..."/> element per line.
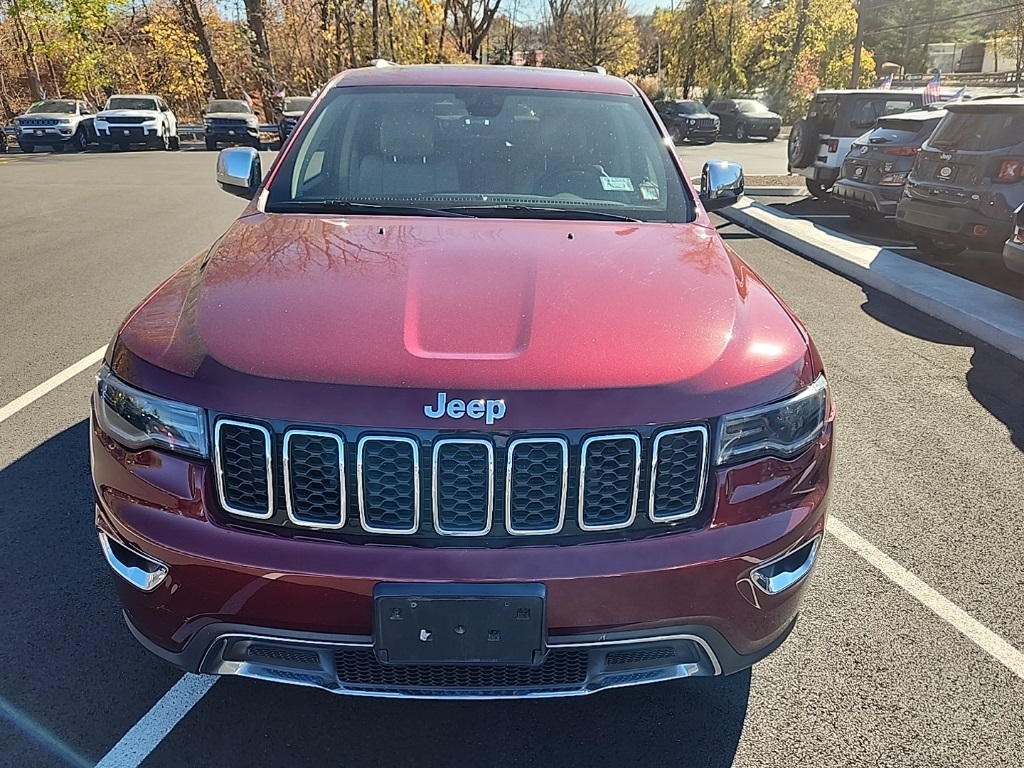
<point x="450" y="485"/>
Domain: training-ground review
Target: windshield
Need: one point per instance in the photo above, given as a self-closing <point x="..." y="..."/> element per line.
<point x="127" y="102"/>
<point x="52" y="108"/>
<point x="229" y="106"/>
<point x="979" y="131"/>
<point x="297" y="104"/>
<point x="690" y="108"/>
<point x="751" y="106"/>
<point x="505" y="150"/>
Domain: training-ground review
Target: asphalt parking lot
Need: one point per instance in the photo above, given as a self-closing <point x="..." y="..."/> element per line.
<point x="925" y="542"/>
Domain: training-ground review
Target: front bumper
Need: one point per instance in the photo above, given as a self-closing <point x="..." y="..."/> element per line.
<point x="767" y="130"/>
<point x="241" y="134"/>
<point x="128" y="134"/>
<point x="45" y="136"/>
<point x="966" y="226"/>
<point x="619" y="612"/>
<point x="870" y="196"/>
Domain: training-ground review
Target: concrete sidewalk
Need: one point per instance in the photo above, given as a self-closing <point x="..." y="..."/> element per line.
<point x="993" y="317"/>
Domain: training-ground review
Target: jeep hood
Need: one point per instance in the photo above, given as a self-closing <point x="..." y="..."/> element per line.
<point x="660" y="322"/>
<point x="129" y="113"/>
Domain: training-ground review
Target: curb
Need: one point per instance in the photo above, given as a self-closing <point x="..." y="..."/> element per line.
<point x="991" y="316"/>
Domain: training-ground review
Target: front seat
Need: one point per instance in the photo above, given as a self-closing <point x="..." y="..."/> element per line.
<point x="406" y="163"/>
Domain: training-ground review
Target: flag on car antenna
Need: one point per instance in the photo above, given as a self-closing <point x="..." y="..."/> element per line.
<point x="886" y="83"/>
<point x="933" y="90"/>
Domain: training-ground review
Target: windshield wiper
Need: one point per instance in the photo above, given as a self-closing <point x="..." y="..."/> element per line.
<point x="541" y="212"/>
<point x="369" y="209"/>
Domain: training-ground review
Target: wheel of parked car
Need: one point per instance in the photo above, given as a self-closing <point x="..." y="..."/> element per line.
<point x="80" y="141"/>
<point x="211" y="144"/>
<point x="677" y="136"/>
<point x="803" y="143"/>
<point x="937" y="249"/>
<point x="741" y="132"/>
<point x="28" y="149"/>
<point x="174" y="143"/>
<point x="818" y="190"/>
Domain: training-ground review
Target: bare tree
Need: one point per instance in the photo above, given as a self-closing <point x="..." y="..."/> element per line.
<point x="471" y="23"/>
<point x="27" y="50"/>
<point x="194" y="23"/>
<point x="255" y="14"/>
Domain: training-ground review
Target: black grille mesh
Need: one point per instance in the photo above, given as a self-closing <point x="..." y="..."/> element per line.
<point x="389" y="484"/>
<point x="609" y="481"/>
<point x="567" y="667"/>
<point x="677" y="478"/>
<point x="243" y="452"/>
<point x="635" y="657"/>
<point x="314" y="478"/>
<point x="535" y="490"/>
<point x="463" y="486"/>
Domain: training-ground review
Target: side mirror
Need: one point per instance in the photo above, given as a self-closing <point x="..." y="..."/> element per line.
<point x="239" y="171"/>
<point x="721" y="184"/>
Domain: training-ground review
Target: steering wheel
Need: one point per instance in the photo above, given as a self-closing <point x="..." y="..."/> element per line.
<point x="571" y="178"/>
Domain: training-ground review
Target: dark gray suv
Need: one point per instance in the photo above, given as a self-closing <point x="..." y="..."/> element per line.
<point x="968" y="179"/>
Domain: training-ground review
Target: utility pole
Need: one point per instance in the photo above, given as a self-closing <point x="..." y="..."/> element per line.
<point x="858" y="45"/>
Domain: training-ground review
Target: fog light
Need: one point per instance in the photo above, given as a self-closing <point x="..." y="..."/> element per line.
<point x="980" y="230"/>
<point x="781" y="573"/>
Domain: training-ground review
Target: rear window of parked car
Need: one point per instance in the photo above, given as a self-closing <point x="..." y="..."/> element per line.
<point x="894" y="131"/>
<point x="866" y="112"/>
<point x="979" y="131"/>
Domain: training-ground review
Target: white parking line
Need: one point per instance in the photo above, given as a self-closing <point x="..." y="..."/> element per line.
<point x="51" y="384"/>
<point x="136" y="745"/>
<point x="991" y="643"/>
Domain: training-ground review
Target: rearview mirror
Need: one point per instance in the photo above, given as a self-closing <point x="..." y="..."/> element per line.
<point x="721" y="184"/>
<point x="239" y="171"/>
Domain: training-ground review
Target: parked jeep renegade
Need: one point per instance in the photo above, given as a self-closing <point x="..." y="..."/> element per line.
<point x="471" y="401"/>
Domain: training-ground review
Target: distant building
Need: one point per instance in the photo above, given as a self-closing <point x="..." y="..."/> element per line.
<point x="981" y="57"/>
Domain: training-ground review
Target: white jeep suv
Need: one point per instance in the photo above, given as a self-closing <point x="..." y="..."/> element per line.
<point x="127" y="120"/>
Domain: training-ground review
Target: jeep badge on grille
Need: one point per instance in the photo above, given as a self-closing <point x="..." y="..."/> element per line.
<point x="489" y="410"/>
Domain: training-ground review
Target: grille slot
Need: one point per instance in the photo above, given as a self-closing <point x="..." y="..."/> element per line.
<point x="244" y="469"/>
<point x="615" y="658"/>
<point x="678" y="473"/>
<point x="314" y="469"/>
<point x="360" y="668"/>
<point x="271" y="653"/>
<point x="536" y="485"/>
<point x="609" y="482"/>
<point x="463" y="487"/>
<point x="388" y="470"/>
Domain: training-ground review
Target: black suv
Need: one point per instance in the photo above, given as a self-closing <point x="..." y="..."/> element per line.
<point x="743" y="118"/>
<point x="292" y="110"/>
<point x="968" y="179"/>
<point x="688" y="121"/>
<point x="873" y="175"/>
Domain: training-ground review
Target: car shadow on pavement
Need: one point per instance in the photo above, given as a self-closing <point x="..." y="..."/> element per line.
<point x="995" y="379"/>
<point x="683" y="723"/>
<point x="69" y="664"/>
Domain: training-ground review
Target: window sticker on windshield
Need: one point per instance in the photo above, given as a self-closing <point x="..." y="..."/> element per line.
<point x="649" y="191"/>
<point x="616" y="184"/>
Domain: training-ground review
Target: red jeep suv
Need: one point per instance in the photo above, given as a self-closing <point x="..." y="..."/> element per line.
<point x="471" y="401"/>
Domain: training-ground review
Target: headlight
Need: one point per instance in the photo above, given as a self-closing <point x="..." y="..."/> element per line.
<point x="63" y="121"/>
<point x="781" y="429"/>
<point x="690" y="121"/>
<point x="139" y="420"/>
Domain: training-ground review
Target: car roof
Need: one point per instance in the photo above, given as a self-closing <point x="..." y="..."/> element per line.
<point x="921" y="115"/>
<point x="541" y="78"/>
<point x="133" y="96"/>
<point x="988" y="105"/>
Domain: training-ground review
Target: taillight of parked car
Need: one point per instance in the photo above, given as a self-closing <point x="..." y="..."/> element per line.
<point x="833" y="145"/>
<point x="1010" y="170"/>
<point x="894" y="179"/>
<point x="899" y="151"/>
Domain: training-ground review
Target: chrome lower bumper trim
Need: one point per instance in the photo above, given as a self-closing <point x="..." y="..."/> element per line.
<point x="786" y="570"/>
<point x="312" y="664"/>
<point x="139" y="570"/>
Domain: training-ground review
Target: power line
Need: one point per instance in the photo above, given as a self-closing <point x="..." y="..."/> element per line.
<point x="974" y="15"/>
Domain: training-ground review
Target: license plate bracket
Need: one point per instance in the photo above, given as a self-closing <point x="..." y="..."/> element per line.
<point x="463" y="624"/>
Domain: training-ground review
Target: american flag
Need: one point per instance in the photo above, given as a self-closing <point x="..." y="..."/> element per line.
<point x="248" y="98"/>
<point x="886" y="84"/>
<point x="280" y="93"/>
<point x="960" y="95"/>
<point x="933" y="90"/>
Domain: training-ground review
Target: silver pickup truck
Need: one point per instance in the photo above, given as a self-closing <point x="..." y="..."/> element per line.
<point x="56" y="123"/>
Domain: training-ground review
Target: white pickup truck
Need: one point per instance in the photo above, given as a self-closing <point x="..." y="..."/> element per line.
<point x="127" y="120"/>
